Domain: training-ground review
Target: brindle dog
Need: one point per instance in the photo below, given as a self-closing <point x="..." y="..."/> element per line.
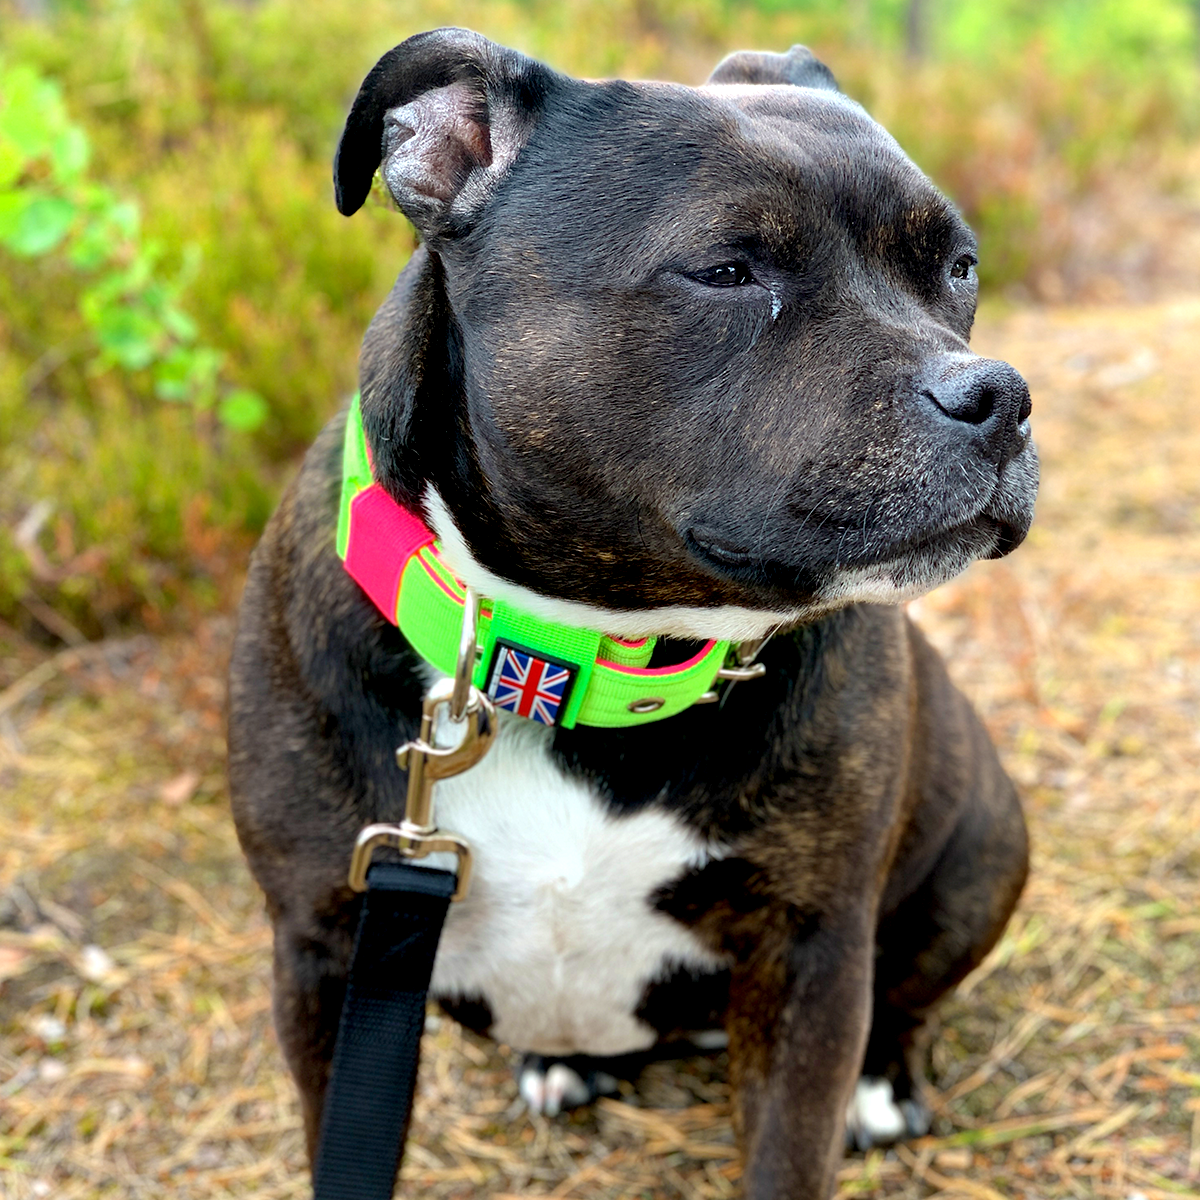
<point x="689" y="362"/>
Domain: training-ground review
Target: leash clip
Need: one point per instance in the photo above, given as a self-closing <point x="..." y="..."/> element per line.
<point x="468" y="709"/>
<point x="744" y="668"/>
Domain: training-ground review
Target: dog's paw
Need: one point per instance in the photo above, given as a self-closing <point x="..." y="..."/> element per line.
<point x="875" y="1117"/>
<point x="551" y="1085"/>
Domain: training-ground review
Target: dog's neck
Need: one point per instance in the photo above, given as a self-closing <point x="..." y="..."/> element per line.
<point x="558" y="672"/>
<point x="696" y="623"/>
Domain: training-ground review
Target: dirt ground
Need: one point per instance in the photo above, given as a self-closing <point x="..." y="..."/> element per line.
<point x="136" y="1052"/>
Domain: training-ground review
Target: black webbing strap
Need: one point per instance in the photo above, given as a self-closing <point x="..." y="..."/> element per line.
<point x="369" y="1098"/>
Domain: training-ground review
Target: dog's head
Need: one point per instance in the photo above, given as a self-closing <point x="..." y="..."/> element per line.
<point x="699" y="351"/>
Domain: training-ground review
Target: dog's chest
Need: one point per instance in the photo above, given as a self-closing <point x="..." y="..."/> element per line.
<point x="559" y="934"/>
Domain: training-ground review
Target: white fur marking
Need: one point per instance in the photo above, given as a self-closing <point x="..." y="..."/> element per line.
<point x="873" y="1116"/>
<point x="723" y="622"/>
<point x="558" y="934"/>
<point x="564" y="1089"/>
<point x="874" y="585"/>
<point x="897" y="580"/>
<point x="551" y="1092"/>
<point x="532" y="1086"/>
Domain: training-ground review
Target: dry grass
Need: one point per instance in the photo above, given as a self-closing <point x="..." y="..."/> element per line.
<point x="136" y="1058"/>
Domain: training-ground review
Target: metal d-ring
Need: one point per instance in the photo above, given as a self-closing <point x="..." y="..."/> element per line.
<point x="741" y="674"/>
<point x="464" y="669"/>
<point x="746" y="669"/>
<point x="647" y="704"/>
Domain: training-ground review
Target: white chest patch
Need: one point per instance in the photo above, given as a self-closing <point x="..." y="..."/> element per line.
<point x="558" y="934"/>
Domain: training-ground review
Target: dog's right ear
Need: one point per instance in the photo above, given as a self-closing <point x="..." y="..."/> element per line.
<point x="799" y="66"/>
<point x="446" y="113"/>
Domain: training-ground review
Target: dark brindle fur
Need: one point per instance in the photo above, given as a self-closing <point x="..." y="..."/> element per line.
<point x="696" y="361"/>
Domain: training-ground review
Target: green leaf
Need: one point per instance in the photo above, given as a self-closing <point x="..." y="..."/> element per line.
<point x="107" y="292"/>
<point x="128" y="336"/>
<point x="125" y="217"/>
<point x="173" y="377"/>
<point x="42" y="225"/>
<point x="70" y="153"/>
<point x="188" y="373"/>
<point x="139" y="275"/>
<point x="95" y="197"/>
<point x="33" y="112"/>
<point x="179" y="323"/>
<point x="243" y="410"/>
<point x="91" y="246"/>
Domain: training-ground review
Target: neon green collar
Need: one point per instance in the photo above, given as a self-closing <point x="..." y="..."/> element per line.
<point x="555" y="674"/>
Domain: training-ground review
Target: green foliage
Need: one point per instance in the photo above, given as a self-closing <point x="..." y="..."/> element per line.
<point x="47" y="204"/>
<point x="1130" y="40"/>
<point x="181" y="304"/>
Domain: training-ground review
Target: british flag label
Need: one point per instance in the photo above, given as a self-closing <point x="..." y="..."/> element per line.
<point x="521" y="682"/>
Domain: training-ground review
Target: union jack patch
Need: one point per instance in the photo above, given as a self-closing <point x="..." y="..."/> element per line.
<point x="529" y="686"/>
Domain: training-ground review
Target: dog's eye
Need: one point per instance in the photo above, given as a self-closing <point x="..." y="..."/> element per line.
<point x="962" y="266"/>
<point x="725" y="275"/>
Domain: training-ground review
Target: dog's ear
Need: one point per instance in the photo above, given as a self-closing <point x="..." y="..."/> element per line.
<point x="446" y="113"/>
<point x="798" y="66"/>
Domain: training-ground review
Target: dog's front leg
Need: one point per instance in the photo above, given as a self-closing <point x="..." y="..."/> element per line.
<point x="798" y="1019"/>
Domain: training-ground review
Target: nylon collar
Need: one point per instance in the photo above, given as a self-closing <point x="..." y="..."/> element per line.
<point x="552" y="673"/>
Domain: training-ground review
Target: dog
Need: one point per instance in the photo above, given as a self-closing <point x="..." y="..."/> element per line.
<point x="677" y="363"/>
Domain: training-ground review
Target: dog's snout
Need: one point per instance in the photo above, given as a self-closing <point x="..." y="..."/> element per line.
<point x="987" y="395"/>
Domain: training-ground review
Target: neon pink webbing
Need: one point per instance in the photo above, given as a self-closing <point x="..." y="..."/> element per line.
<point x="383" y="537"/>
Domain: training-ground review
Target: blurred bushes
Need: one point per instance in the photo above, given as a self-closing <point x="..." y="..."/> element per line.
<point x="218" y="117"/>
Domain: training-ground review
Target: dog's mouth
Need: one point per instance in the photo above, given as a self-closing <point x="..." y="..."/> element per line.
<point x="850" y="561"/>
<point x="986" y="536"/>
<point x="1008" y="537"/>
<point x="902" y="570"/>
<point x="721" y="553"/>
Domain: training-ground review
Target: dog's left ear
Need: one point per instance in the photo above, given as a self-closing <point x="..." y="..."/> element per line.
<point x="799" y="66"/>
<point x="446" y="113"/>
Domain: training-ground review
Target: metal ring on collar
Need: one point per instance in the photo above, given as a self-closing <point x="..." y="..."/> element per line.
<point x="465" y="667"/>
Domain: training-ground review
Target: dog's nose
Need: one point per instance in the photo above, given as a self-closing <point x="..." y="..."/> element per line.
<point x="983" y="393"/>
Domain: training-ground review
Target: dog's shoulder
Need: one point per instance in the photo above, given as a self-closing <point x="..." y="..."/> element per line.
<point x="309" y="639"/>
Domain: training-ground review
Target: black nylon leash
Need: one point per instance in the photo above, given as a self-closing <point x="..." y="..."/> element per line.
<point x="374" y="1074"/>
